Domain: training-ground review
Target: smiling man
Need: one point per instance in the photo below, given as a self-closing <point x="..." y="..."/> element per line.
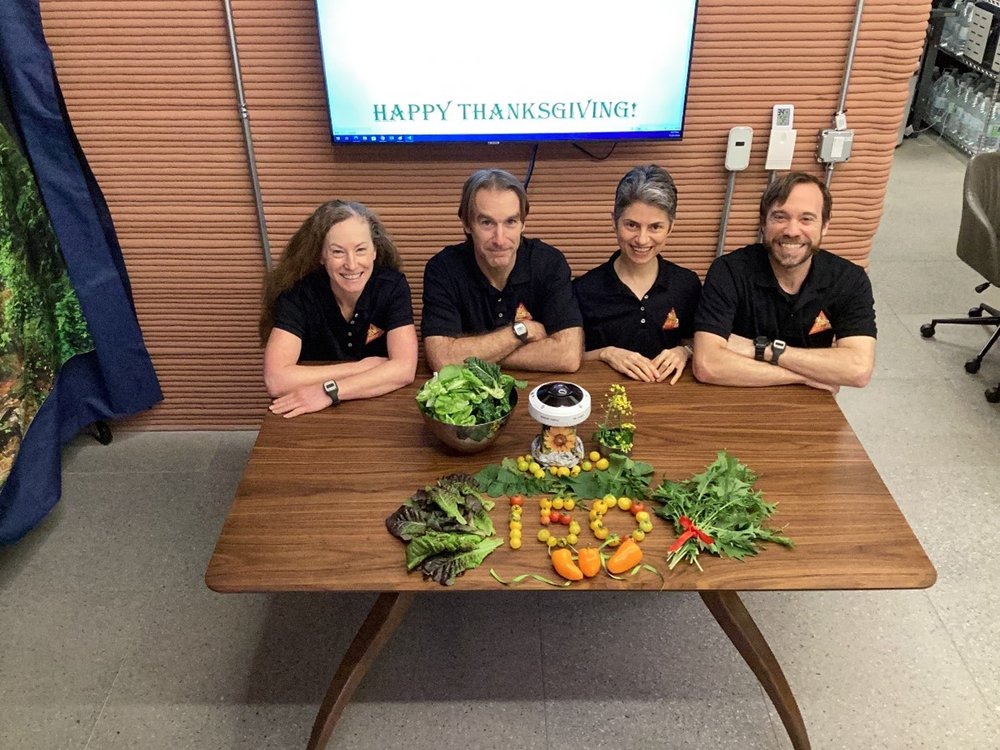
<point x="498" y="295"/>
<point x="786" y="311"/>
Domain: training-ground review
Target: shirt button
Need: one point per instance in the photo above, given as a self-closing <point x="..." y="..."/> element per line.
<point x="642" y="309"/>
<point x="350" y="333"/>
<point x="350" y="345"/>
<point x="643" y="320"/>
<point x="645" y="296"/>
<point x="499" y="315"/>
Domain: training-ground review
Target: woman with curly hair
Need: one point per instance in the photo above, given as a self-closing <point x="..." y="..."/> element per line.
<point x="336" y="296"/>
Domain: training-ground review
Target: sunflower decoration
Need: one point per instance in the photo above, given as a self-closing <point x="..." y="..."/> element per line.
<point x="558" y="439"/>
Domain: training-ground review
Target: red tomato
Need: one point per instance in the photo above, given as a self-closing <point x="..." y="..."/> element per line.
<point x="564" y="519"/>
<point x="556" y="516"/>
<point x="636" y="508"/>
<point x="517" y="500"/>
<point x="544" y="519"/>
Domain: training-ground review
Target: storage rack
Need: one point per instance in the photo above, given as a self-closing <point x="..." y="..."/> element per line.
<point x="932" y="47"/>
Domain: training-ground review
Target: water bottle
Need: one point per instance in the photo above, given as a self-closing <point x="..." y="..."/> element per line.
<point x="991" y="140"/>
<point x="964" y="22"/>
<point x="975" y="122"/>
<point x="948" y="31"/>
<point x="941" y="93"/>
<point x="956" y="114"/>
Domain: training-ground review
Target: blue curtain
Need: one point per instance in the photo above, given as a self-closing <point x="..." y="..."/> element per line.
<point x="116" y="379"/>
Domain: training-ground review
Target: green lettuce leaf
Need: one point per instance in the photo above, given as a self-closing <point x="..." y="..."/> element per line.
<point x="436" y="542"/>
<point x="446" y="568"/>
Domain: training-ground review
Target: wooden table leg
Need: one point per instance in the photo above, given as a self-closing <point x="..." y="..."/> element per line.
<point x="729" y="612"/>
<point x="385" y="616"/>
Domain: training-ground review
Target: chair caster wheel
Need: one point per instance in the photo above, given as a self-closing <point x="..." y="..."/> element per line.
<point x="976" y="312"/>
<point x="927" y="330"/>
<point x="100" y="432"/>
<point x="972" y="366"/>
<point x="993" y="395"/>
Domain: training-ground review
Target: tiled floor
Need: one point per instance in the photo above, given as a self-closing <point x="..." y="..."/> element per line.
<point x="109" y="638"/>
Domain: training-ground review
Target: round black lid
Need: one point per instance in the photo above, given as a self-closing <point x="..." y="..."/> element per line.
<point x="560" y="394"/>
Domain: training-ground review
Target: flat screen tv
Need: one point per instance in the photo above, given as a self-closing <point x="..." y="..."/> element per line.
<point x="520" y="70"/>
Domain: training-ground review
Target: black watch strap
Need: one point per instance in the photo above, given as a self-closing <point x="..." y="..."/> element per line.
<point x="759" y="345"/>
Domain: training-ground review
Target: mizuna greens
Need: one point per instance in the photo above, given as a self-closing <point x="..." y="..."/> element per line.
<point x="718" y="511"/>
<point x="447" y="528"/>
<point x="469" y="394"/>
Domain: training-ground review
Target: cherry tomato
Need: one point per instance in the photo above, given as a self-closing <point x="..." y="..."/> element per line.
<point x="637" y="508"/>
<point x="517" y="499"/>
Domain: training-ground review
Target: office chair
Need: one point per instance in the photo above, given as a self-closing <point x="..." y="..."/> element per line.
<point x="979" y="248"/>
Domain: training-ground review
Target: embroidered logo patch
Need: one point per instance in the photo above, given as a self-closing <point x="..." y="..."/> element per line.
<point x="671" y="321"/>
<point x="522" y="312"/>
<point x="373" y="333"/>
<point x="822" y="323"/>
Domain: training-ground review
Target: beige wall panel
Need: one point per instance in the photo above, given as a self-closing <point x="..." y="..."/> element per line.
<point x="150" y="89"/>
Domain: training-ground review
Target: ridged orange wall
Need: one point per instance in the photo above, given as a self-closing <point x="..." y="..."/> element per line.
<point x="150" y="88"/>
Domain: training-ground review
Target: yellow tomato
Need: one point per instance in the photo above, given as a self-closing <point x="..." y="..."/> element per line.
<point x="594" y="456"/>
<point x="602" y="464"/>
<point x="569" y="503"/>
<point x="586" y="466"/>
<point x="624" y="503"/>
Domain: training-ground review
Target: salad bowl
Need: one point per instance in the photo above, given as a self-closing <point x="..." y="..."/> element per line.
<point x="469" y="438"/>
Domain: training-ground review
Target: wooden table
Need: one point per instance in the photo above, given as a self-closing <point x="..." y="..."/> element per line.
<point x="314" y="481"/>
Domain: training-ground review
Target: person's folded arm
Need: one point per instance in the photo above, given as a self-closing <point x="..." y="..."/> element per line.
<point x="849" y="361"/>
<point x="283" y="374"/>
<point x="716" y="362"/>
<point x="561" y="351"/>
<point x="452" y="350"/>
<point x="389" y="374"/>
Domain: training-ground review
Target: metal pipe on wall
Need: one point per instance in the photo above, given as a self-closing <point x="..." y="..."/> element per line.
<point x="247" y="137"/>
<point x="845" y="84"/>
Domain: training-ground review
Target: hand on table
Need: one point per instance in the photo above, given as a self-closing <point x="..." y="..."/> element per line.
<point x="304" y="400"/>
<point x="630" y="363"/>
<point x="670" y="361"/>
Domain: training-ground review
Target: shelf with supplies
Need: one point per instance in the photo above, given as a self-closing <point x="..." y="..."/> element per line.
<point x="970" y="64"/>
<point x="961" y="98"/>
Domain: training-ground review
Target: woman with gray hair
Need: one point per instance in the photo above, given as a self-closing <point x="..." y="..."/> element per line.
<point x="638" y="308"/>
<point x="337" y="298"/>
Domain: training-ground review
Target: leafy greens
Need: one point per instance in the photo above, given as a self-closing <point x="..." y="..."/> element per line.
<point x="720" y="506"/>
<point x="475" y="392"/>
<point x="622" y="477"/>
<point x="447" y="528"/>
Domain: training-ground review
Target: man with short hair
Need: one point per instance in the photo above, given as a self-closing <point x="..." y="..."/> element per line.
<point x="786" y="311"/>
<point x="499" y="296"/>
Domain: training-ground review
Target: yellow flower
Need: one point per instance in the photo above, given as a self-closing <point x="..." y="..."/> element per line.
<point x="559" y="439"/>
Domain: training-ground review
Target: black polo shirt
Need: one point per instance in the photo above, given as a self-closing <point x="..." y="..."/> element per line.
<point x="742" y="296"/>
<point x="614" y="316"/>
<point x="309" y="310"/>
<point x="459" y="299"/>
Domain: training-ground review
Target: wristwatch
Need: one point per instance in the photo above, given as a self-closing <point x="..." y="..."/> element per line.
<point x="521" y="331"/>
<point x="777" y="349"/>
<point x="759" y="345"/>
<point x="330" y="386"/>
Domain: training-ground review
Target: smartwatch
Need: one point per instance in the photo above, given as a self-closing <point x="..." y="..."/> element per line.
<point x="521" y="331"/>
<point x="330" y="386"/>
<point x="777" y="349"/>
<point x="759" y="345"/>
